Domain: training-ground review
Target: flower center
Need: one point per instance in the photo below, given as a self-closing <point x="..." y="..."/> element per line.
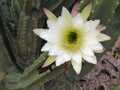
<point x="72" y="37"/>
<point x="72" y="40"/>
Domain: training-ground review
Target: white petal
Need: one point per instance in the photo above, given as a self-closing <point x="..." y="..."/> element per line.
<point x="50" y="36"/>
<point x="86" y="50"/>
<point x="38" y="31"/>
<point x="66" y="14"/>
<point x="97" y="46"/>
<point x="91" y="38"/>
<point x="55" y="50"/>
<point x="66" y="56"/>
<point x="103" y="37"/>
<point x="77" y="58"/>
<point x="77" y="20"/>
<point x="90" y="59"/>
<point x="62" y="23"/>
<point x="51" y="24"/>
<point x="76" y="66"/>
<point x="47" y="47"/>
<point x="59" y="60"/>
<point x="91" y="41"/>
<point x="92" y="24"/>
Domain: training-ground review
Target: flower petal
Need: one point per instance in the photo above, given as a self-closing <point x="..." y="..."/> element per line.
<point x="47" y="47"/>
<point x="77" y="58"/>
<point x="76" y="66"/>
<point x="55" y="50"/>
<point x="86" y="11"/>
<point x="92" y="24"/>
<point x="49" y="61"/>
<point x="99" y="51"/>
<point x="90" y="59"/>
<point x="77" y="20"/>
<point x="51" y="24"/>
<point x="50" y="36"/>
<point x="86" y="50"/>
<point x="66" y="56"/>
<point x="49" y="14"/>
<point x="74" y="11"/>
<point x="38" y="31"/>
<point x="59" y="60"/>
<point x="66" y="15"/>
<point x="101" y="27"/>
<point x="91" y="41"/>
<point x="103" y="37"/>
<point x="97" y="46"/>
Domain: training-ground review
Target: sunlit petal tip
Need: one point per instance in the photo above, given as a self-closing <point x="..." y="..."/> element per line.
<point x="66" y="14"/>
<point x="86" y="11"/>
<point x="103" y="37"/>
<point x="90" y="59"/>
<point x="99" y="51"/>
<point x="38" y="31"/>
<point x="49" y="61"/>
<point x="59" y="60"/>
<point x="101" y="27"/>
<point x="97" y="21"/>
<point x="76" y="66"/>
<point x="49" y="14"/>
<point x="74" y="11"/>
<point x="94" y="60"/>
<point x="77" y="58"/>
<point x="47" y="47"/>
<point x="64" y="10"/>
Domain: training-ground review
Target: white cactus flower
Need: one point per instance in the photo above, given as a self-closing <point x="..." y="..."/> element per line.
<point x="72" y="38"/>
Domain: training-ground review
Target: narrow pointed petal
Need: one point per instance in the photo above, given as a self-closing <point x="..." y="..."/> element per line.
<point x="50" y="36"/>
<point x="92" y="24"/>
<point x="49" y="14"/>
<point x="103" y="37"/>
<point x="76" y="66"/>
<point x="77" y="58"/>
<point x="59" y="60"/>
<point x="66" y="57"/>
<point x="38" y="31"/>
<point x="77" y="20"/>
<point x="62" y="58"/>
<point x="52" y="24"/>
<point x="99" y="51"/>
<point x="47" y="47"/>
<point x="87" y="51"/>
<point x="86" y="12"/>
<point x="75" y="8"/>
<point x="49" y="61"/>
<point x="90" y="59"/>
<point x="98" y="48"/>
<point x="66" y="14"/>
<point x="55" y="50"/>
<point x="101" y="27"/>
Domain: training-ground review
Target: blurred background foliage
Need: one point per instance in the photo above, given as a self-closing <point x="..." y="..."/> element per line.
<point x="20" y="56"/>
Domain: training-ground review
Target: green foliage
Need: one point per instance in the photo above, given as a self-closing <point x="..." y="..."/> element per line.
<point x="20" y="47"/>
<point x="20" y="57"/>
<point x="101" y="9"/>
